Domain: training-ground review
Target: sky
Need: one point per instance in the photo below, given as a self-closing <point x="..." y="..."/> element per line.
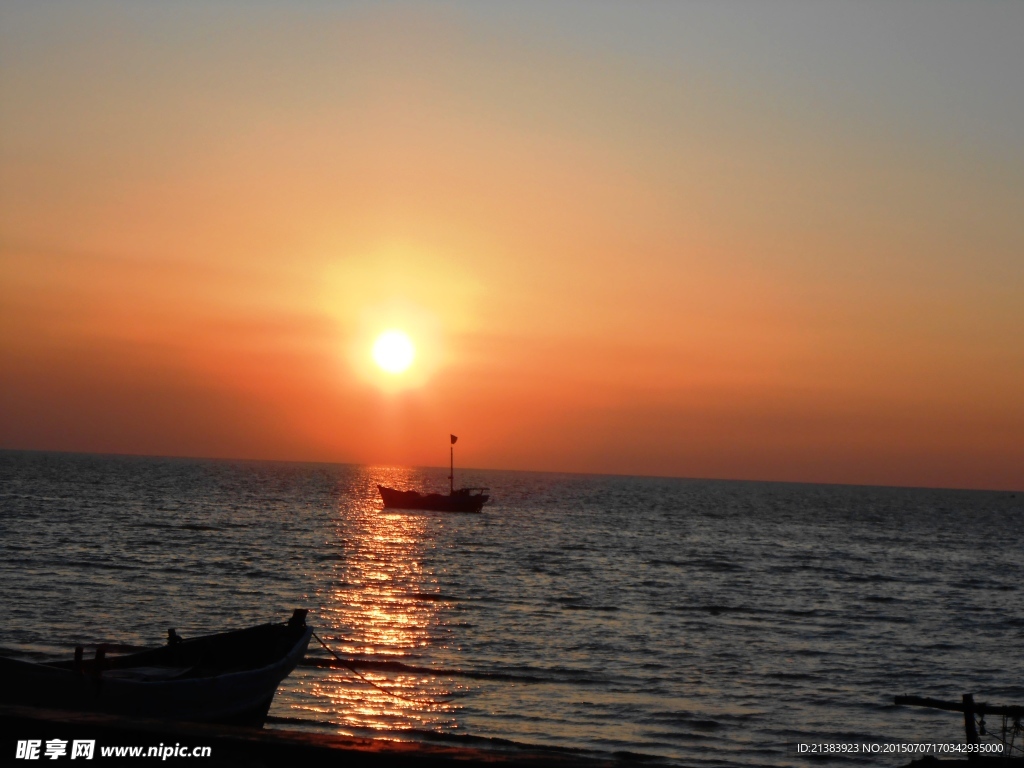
<point x="767" y="241"/>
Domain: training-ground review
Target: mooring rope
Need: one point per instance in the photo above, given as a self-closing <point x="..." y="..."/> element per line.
<point x="369" y="682"/>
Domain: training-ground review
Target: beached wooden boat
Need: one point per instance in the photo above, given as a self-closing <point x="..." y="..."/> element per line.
<point x="229" y="677"/>
<point x="460" y="500"/>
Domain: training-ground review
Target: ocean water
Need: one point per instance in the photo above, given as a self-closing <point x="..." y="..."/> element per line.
<point x="701" y="623"/>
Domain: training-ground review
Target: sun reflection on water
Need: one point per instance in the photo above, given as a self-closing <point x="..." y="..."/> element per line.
<point x="380" y="611"/>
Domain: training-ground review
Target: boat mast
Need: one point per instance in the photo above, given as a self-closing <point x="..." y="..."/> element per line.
<point x="451" y="470"/>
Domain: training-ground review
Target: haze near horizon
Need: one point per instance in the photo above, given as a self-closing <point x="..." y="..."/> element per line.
<point x="777" y="241"/>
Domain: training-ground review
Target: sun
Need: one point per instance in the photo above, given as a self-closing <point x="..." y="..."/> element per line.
<point x="393" y="351"/>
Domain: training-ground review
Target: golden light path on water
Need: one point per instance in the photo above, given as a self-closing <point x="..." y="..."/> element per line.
<point x="377" y="606"/>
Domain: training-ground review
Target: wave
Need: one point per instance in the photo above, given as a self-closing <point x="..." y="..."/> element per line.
<point x="554" y="675"/>
<point x="434" y="598"/>
<point x="574" y="607"/>
<point x="476" y="742"/>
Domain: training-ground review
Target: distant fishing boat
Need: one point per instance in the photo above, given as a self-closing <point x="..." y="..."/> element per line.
<point x="226" y="678"/>
<point x="461" y="500"/>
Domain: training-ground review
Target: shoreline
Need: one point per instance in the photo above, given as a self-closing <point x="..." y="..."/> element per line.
<point x="232" y="746"/>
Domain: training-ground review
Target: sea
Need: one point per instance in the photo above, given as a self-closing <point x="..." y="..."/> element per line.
<point x="677" y="622"/>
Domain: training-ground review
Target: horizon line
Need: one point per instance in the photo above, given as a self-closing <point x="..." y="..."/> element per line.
<point x="1011" y="491"/>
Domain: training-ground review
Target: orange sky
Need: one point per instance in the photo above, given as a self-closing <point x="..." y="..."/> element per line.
<point x="686" y="242"/>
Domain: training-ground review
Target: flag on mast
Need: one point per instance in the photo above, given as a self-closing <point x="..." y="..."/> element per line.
<point x="454" y="438"/>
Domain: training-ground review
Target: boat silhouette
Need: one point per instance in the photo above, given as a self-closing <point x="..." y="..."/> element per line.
<point x="227" y="678"/>
<point x="460" y="500"/>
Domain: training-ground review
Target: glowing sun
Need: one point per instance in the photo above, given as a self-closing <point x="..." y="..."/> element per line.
<point x="393" y="351"/>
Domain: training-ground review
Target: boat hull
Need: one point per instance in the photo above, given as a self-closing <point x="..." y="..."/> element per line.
<point x="459" y="501"/>
<point x="228" y="678"/>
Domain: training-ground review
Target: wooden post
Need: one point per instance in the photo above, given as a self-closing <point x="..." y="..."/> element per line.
<point x="451" y="470"/>
<point x="969" y="726"/>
